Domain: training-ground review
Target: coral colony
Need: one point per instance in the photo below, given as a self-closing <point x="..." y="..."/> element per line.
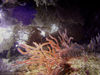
<point x="52" y="53"/>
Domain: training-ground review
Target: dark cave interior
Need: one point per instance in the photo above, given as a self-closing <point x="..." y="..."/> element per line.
<point x="89" y="11"/>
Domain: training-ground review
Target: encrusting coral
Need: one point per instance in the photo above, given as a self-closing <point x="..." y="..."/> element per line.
<point x="53" y="54"/>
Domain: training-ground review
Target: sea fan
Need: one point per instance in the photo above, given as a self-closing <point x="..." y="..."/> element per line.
<point x="51" y="53"/>
<point x="94" y="44"/>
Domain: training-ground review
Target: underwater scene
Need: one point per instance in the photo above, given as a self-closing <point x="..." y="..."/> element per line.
<point x="49" y="37"/>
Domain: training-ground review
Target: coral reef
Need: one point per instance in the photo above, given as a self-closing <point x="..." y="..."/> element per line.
<point x="88" y="65"/>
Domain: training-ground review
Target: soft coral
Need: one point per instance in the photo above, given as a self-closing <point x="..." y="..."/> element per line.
<point x="51" y="53"/>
